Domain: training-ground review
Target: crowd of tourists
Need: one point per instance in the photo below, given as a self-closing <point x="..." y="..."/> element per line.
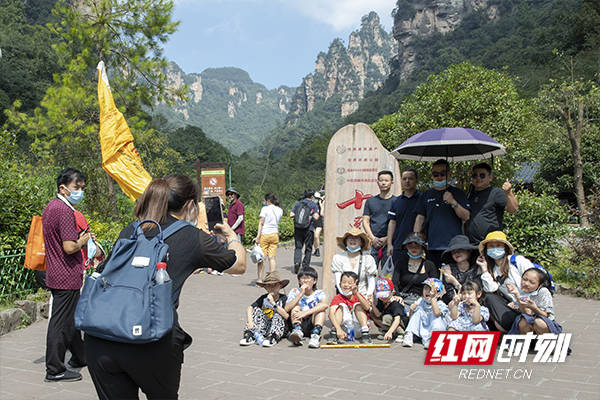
<point x="423" y="261"/>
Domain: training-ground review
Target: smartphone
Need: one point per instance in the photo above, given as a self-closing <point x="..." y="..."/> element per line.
<point x="214" y="213"/>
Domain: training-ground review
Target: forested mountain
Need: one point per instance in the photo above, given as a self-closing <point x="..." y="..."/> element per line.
<point x="334" y="89"/>
<point x="240" y="113"/>
<point x="28" y="61"/>
<point x="521" y="37"/>
<point x="227" y="105"/>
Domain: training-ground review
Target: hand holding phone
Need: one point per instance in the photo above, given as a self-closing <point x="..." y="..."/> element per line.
<point x="214" y="213"/>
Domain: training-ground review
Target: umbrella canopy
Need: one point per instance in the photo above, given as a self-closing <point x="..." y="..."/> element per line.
<point x="453" y="144"/>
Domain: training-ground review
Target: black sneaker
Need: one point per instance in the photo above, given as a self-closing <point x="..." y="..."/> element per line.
<point x="67" y="376"/>
<point x="75" y="364"/>
<point x="333" y="339"/>
<point x="365" y="338"/>
<point x="317" y="253"/>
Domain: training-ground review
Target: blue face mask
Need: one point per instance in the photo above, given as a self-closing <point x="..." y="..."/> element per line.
<point x="91" y="248"/>
<point x="264" y="203"/>
<point x="440" y="184"/>
<point x="420" y="255"/>
<point x="495" y="253"/>
<point x="75" y="197"/>
<point x="351" y="250"/>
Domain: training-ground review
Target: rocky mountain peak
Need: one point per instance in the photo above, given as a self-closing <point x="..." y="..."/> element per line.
<point x="422" y="18"/>
<point x="348" y="72"/>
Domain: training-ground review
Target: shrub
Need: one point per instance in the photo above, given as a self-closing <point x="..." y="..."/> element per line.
<point x="577" y="264"/>
<point x="537" y="227"/>
<point x="286" y="225"/>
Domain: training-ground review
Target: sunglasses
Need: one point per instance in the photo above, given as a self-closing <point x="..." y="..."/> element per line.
<point x="482" y="175"/>
<point x="436" y="174"/>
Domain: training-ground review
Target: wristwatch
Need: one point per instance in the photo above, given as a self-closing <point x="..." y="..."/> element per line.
<point x="455" y="205"/>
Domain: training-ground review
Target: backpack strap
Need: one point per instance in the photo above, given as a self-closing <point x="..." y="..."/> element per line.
<point x="513" y="258"/>
<point x="174" y="227"/>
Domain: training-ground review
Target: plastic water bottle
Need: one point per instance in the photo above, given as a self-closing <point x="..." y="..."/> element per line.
<point x="161" y="275"/>
<point x="349" y="325"/>
<point x="259" y="337"/>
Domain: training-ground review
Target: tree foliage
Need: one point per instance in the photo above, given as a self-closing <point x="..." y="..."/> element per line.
<point x="471" y="97"/>
<point x="128" y="36"/>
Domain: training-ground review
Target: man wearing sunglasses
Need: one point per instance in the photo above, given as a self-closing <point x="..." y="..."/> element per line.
<point x="441" y="211"/>
<point x="488" y="203"/>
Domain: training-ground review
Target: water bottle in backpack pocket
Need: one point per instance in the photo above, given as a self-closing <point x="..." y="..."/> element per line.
<point x="130" y="301"/>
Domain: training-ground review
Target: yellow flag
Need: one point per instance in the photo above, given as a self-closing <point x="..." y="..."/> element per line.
<point x="120" y="159"/>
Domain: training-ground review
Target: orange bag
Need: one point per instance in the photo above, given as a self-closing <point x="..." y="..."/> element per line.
<point x="35" y="252"/>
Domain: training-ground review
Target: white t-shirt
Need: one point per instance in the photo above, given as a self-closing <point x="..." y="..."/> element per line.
<point x="515" y="271"/>
<point x="368" y="272"/>
<point x="272" y="214"/>
<point x="307" y="302"/>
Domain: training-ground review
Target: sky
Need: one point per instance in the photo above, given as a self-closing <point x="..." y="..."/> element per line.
<point x="275" y="41"/>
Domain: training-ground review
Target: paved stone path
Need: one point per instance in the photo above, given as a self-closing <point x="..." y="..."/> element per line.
<point x="216" y="367"/>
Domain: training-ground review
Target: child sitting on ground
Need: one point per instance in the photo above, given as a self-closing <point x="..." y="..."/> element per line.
<point x="267" y="315"/>
<point x="466" y="312"/>
<point x="427" y="314"/>
<point x="307" y="307"/>
<point x="346" y="306"/>
<point x="389" y="314"/>
<point x="535" y="304"/>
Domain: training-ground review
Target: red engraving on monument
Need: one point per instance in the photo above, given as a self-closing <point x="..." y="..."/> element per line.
<point x="357" y="200"/>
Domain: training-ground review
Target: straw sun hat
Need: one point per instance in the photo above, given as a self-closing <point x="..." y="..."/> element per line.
<point x="366" y="242"/>
<point x="497" y="236"/>
<point x="272" y="278"/>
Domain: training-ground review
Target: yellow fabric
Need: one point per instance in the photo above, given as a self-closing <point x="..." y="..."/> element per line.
<point x="120" y="159"/>
<point x="202" y="222"/>
<point x="268" y="243"/>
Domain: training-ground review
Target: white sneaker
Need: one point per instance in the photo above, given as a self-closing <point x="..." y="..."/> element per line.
<point x="314" y="341"/>
<point x="399" y="339"/>
<point x="296" y="337"/>
<point x="407" y="341"/>
<point x="269" y="342"/>
<point x="248" y="339"/>
<point x="426" y="345"/>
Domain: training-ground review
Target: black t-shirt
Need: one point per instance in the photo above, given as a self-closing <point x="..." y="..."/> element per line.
<point x="487" y="213"/>
<point x="262" y="304"/>
<point x="403" y="211"/>
<point x="402" y="276"/>
<point x="377" y="209"/>
<point x="395" y="309"/>
<point x="440" y="218"/>
<point x="189" y="249"/>
<point x="472" y="274"/>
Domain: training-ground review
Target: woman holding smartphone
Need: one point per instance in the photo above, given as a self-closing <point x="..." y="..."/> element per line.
<point x="119" y="370"/>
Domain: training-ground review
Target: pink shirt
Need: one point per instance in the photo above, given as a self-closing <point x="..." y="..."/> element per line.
<point x="63" y="271"/>
<point x="236" y="209"/>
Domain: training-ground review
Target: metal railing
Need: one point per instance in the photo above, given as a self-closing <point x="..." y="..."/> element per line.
<point x="15" y="279"/>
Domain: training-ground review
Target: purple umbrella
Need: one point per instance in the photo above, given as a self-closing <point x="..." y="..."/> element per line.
<point x="453" y="144"/>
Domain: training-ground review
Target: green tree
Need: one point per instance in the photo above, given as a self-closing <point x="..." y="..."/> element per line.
<point x="471" y="97"/>
<point x="575" y="106"/>
<point x="128" y="36"/>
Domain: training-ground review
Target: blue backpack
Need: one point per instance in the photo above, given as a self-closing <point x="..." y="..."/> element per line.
<point x="538" y="266"/>
<point x="123" y="303"/>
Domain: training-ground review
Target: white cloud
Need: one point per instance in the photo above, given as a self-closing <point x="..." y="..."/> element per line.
<point x="343" y="14"/>
<point x="339" y="14"/>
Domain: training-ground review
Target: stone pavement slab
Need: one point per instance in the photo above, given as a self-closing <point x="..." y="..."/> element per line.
<point x="216" y="367"/>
